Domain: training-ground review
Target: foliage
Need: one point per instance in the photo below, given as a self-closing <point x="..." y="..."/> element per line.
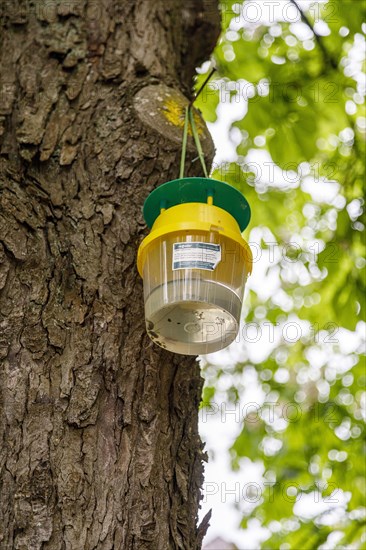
<point x="305" y="111"/>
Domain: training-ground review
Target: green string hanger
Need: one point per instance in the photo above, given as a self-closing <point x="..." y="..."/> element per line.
<point x="184" y="145"/>
<point x="189" y="121"/>
<point x="197" y="141"/>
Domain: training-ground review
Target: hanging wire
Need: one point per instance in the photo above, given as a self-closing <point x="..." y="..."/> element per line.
<point x="213" y="70"/>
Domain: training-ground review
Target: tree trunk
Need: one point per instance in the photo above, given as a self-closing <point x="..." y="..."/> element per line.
<point x="98" y="433"/>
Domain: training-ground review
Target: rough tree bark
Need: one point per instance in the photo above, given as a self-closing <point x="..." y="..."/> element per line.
<point x="98" y="432"/>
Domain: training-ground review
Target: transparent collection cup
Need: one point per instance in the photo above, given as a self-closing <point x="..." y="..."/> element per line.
<point x="190" y="310"/>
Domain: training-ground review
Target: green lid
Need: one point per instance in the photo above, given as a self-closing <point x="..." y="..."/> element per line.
<point x="185" y="190"/>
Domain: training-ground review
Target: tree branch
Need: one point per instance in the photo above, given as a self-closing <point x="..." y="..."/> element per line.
<point x="327" y="57"/>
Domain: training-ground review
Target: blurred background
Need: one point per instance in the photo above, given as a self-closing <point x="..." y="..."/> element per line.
<point x="283" y="408"/>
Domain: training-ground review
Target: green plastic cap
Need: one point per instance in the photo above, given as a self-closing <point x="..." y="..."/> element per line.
<point x="187" y="190"/>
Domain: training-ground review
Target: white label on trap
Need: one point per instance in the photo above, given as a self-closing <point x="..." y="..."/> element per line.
<point x="196" y="256"/>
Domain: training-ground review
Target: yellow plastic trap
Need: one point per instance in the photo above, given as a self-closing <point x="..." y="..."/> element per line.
<point x="194" y="264"/>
